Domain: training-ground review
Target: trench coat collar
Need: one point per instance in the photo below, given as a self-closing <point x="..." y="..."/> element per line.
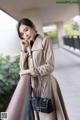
<point x="37" y="44"/>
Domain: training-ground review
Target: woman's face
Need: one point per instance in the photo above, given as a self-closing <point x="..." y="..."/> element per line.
<point x="27" y="33"/>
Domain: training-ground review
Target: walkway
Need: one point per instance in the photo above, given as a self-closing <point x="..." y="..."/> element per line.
<point x="67" y="72"/>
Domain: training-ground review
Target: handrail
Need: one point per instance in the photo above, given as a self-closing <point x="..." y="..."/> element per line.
<point x="16" y="104"/>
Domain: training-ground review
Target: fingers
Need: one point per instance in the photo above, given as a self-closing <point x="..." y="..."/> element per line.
<point x="24" y="43"/>
<point x="23" y="72"/>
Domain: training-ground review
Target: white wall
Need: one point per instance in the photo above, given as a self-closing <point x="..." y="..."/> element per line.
<point x="9" y="41"/>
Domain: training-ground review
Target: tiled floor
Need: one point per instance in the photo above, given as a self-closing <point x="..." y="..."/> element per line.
<point x="67" y="72"/>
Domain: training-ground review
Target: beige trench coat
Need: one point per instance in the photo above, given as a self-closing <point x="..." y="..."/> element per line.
<point x="40" y="60"/>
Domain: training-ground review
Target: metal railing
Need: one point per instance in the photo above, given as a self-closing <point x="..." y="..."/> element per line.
<point x="73" y="41"/>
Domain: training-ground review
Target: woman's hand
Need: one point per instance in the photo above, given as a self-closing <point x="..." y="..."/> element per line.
<point x="23" y="72"/>
<point x="24" y="44"/>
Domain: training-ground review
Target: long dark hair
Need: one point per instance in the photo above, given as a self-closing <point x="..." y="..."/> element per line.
<point x="27" y="22"/>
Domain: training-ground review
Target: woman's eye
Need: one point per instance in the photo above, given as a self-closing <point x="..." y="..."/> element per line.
<point x="26" y="29"/>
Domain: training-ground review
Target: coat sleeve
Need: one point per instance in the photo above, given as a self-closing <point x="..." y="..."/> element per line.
<point x="48" y="67"/>
<point x="23" y="60"/>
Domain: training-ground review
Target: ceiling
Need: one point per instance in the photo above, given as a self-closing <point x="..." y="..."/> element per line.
<point x="49" y="10"/>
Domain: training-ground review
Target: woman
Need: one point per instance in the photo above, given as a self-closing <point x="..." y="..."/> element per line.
<point x="37" y="60"/>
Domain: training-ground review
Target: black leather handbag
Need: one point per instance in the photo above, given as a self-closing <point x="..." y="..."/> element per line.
<point x="42" y="104"/>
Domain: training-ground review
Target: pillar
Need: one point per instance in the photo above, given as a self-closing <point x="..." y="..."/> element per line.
<point x="60" y="33"/>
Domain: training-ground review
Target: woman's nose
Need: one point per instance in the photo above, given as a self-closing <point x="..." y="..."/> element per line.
<point x="25" y="35"/>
